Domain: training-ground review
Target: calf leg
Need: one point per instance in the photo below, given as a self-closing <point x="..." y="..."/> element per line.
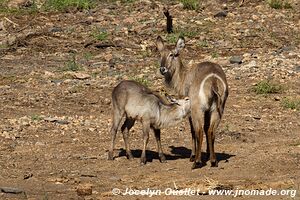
<point x="146" y="129"/>
<point x="128" y="124"/>
<point x="161" y="155"/>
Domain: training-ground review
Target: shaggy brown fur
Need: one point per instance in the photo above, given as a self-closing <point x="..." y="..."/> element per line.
<point x="207" y="88"/>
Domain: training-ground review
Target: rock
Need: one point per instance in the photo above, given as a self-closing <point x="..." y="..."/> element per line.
<point x="251" y="64"/>
<point x="11" y="190"/>
<point x="277" y="98"/>
<point x="50" y="119"/>
<point x="62" y="122"/>
<point x="55" y="29"/>
<point x="57" y="81"/>
<point x="257" y="117"/>
<point x="48" y="74"/>
<point x="236" y="60"/>
<point x="84" y="189"/>
<point x="28" y="175"/>
<point x="80" y="75"/>
<point x="107" y="101"/>
<point x="297" y="69"/>
<point x="222" y="13"/>
<point x="56" y="120"/>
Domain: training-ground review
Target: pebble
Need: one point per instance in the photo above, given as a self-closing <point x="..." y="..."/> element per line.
<point x="277" y="98"/>
<point x="222" y="13"/>
<point x="11" y="190"/>
<point x="297" y="69"/>
<point x="236" y="59"/>
<point x="84" y="189"/>
<point x="80" y="76"/>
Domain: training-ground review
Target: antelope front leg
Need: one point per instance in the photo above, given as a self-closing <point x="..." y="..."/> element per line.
<point x="146" y="129"/>
<point x="161" y="155"/>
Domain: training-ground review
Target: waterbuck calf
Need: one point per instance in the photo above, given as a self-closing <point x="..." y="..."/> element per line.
<point x="136" y="102"/>
<point x="207" y="88"/>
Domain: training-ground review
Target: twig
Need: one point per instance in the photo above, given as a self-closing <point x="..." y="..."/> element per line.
<point x="13" y="23"/>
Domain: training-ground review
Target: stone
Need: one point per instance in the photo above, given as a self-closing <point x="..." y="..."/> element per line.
<point x="222" y="13"/>
<point x="48" y="74"/>
<point x="11" y="190"/>
<point x="297" y="69"/>
<point x="80" y="75"/>
<point x="277" y="98"/>
<point x="251" y="64"/>
<point x="84" y="189"/>
<point x="236" y="60"/>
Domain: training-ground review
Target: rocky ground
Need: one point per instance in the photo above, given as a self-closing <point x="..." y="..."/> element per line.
<point x="58" y="69"/>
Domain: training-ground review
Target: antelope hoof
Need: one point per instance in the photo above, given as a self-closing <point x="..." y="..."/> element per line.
<point x="129" y="156"/>
<point x="214" y="163"/>
<point x="196" y="165"/>
<point x="162" y="158"/>
<point x="110" y="156"/>
<point x="192" y="158"/>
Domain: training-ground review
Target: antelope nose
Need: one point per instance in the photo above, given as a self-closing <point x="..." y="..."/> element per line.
<point x="163" y="70"/>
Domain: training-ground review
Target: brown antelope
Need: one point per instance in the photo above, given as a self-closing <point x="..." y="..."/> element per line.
<point x="206" y="86"/>
<point x="136" y="102"/>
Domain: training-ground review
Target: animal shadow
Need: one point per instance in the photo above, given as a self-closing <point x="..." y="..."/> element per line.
<point x="151" y="155"/>
<point x="184" y="153"/>
<point x="176" y="153"/>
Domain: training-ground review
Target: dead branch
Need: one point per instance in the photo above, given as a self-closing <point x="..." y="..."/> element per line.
<point x="169" y="21"/>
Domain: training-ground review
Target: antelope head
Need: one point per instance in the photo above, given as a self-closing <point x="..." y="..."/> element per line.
<point x="169" y="59"/>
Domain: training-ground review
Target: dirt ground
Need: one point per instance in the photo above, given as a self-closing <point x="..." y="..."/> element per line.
<point x="55" y="108"/>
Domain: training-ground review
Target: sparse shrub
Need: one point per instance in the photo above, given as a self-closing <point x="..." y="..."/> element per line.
<point x="100" y="35"/>
<point x="36" y="118"/>
<point x="203" y="43"/>
<point x="62" y="5"/>
<point x="279" y="4"/>
<point x="214" y="55"/>
<point x="142" y="80"/>
<point x="173" y="37"/>
<point x="190" y="4"/>
<point x="266" y="87"/>
<point x="291" y="103"/>
<point x="72" y="65"/>
<point x="88" y="56"/>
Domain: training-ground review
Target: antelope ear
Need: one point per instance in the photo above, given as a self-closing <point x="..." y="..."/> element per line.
<point x="160" y="44"/>
<point x="179" y="45"/>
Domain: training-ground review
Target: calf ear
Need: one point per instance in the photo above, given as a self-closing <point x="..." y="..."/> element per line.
<point x="160" y="44"/>
<point x="179" y="45"/>
<point x="171" y="99"/>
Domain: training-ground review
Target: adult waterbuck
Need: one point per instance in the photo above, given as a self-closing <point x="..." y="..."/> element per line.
<point x="207" y="88"/>
<point x="136" y="102"/>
